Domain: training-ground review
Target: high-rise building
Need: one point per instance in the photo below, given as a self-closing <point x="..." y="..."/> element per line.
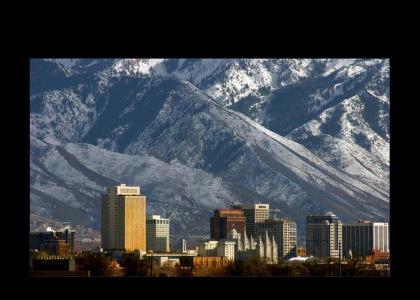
<point x="157" y="234"/>
<point x="224" y="220"/>
<point x="123" y="219"/>
<point x="365" y="237"/>
<point x="36" y="239"/>
<point x="55" y="246"/>
<point x="254" y="214"/>
<point x="68" y="236"/>
<point x="324" y="236"/>
<point x="52" y="242"/>
<point x="284" y="232"/>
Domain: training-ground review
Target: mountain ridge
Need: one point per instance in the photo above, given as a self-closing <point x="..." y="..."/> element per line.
<point x="144" y="110"/>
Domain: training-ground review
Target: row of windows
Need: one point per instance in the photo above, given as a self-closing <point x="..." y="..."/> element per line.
<point x="157" y="221"/>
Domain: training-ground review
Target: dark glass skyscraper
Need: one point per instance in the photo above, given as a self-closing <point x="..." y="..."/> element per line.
<point x="324" y="236"/>
<point x="364" y="237"/>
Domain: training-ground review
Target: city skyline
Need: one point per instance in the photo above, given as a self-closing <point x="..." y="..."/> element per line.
<point x="256" y="215"/>
<point x="324" y="238"/>
<point x="268" y="158"/>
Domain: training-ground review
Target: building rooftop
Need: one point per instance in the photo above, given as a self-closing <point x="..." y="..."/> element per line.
<point x="299" y="258"/>
<point x="252" y="206"/>
<point x="155" y="217"/>
<point x="331" y="214"/>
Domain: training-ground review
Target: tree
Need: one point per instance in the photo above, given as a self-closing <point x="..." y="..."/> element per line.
<point x="353" y="267"/>
<point x="236" y="268"/>
<point x="134" y="266"/>
<point x="97" y="264"/>
<point x="113" y="268"/>
<point x="313" y="266"/>
<point x="184" y="271"/>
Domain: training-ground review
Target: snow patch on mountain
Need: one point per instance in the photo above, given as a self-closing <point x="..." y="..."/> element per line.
<point x="139" y="67"/>
<point x="63" y="115"/>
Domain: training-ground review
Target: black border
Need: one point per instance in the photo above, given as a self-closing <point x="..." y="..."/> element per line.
<point x="158" y="48"/>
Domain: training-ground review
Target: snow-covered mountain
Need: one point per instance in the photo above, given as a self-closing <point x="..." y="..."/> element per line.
<point x="303" y="135"/>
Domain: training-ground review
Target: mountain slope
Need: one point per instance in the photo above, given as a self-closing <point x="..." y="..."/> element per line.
<point x="67" y="182"/>
<point x="285" y="94"/>
<point x="202" y="134"/>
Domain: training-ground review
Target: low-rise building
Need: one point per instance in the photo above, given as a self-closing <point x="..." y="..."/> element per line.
<point x="378" y="257"/>
<point x="173" y="258"/>
<point x="53" y="263"/>
<point x="165" y="260"/>
<point x="226" y="249"/>
<point x="207" y="248"/>
<point x="209" y="262"/>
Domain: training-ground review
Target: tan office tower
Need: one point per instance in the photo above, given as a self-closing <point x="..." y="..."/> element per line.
<point x="254" y="214"/>
<point x="123" y="219"/>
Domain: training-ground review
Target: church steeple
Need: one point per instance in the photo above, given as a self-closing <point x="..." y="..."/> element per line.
<point x="239" y="242"/>
<point x="252" y="243"/>
<point x="268" y="249"/>
<point x="260" y="248"/>
<point x="267" y="239"/>
<point x="246" y="241"/>
<point x="274" y="251"/>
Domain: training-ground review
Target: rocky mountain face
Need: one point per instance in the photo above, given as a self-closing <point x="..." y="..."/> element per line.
<point x="303" y="135"/>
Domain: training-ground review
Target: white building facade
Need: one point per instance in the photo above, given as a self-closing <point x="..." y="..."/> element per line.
<point x="226" y="249"/>
<point x="207" y="248"/>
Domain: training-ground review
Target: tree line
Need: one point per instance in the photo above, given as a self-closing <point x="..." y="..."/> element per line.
<point x="131" y="265"/>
